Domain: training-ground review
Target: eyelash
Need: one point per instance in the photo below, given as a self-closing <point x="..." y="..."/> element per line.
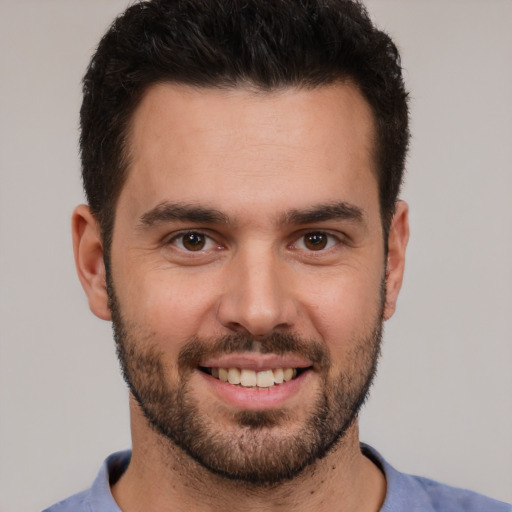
<point x="180" y="237"/>
<point x="331" y="241"/>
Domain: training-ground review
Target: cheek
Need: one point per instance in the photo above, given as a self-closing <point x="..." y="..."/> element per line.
<point x="346" y="307"/>
<point x="172" y="306"/>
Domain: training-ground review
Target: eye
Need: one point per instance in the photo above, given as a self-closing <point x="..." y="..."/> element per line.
<point x="193" y="241"/>
<point x="316" y="241"/>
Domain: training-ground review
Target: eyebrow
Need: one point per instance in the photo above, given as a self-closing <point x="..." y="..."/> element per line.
<point x="324" y="212"/>
<point x="167" y="212"/>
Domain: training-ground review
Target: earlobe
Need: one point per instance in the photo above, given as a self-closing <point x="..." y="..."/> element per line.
<point x="88" y="250"/>
<point x="397" y="244"/>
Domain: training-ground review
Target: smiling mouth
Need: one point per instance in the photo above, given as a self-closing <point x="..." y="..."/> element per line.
<point x="247" y="378"/>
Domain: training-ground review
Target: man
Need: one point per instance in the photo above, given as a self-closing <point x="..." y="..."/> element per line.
<point x="242" y="163"/>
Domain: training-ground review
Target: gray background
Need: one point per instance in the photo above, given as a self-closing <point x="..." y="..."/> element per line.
<point x="441" y="406"/>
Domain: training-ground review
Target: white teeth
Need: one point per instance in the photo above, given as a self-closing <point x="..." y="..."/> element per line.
<point x="250" y="378"/>
<point x="278" y="376"/>
<point x="265" y="379"/>
<point x="234" y="376"/>
<point x="287" y="374"/>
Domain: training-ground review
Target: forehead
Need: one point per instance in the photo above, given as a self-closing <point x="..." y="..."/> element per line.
<point x="266" y="148"/>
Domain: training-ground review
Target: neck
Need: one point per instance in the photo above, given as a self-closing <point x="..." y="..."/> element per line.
<point x="162" y="477"/>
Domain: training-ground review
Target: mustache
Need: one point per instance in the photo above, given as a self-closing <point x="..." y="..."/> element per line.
<point x="197" y="349"/>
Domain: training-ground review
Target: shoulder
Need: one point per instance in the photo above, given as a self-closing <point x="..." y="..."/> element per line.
<point x="447" y="499"/>
<point x="98" y="497"/>
<point x="76" y="503"/>
<point x="417" y="494"/>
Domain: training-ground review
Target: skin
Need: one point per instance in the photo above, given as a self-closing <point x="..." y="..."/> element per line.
<point x="255" y="157"/>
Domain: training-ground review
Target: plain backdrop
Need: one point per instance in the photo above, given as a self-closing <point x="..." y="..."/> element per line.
<point x="442" y="403"/>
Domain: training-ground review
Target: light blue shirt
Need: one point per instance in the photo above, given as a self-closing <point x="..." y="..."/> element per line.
<point x="405" y="493"/>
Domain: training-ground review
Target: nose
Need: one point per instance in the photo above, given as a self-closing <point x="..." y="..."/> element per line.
<point x="258" y="295"/>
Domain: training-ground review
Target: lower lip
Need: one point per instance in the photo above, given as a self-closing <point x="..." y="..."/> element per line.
<point x="256" y="399"/>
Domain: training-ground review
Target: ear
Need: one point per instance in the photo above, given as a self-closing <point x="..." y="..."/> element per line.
<point x="88" y="249"/>
<point x="397" y="243"/>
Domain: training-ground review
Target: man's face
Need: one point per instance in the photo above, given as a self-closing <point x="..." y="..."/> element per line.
<point x="248" y="241"/>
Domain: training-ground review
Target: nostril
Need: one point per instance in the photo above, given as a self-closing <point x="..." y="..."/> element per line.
<point x="257" y="332"/>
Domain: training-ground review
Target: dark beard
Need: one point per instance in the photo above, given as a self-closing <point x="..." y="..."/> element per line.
<point x="259" y="449"/>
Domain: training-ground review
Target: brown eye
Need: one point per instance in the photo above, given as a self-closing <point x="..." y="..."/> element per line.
<point x="193" y="241"/>
<point x="316" y="241"/>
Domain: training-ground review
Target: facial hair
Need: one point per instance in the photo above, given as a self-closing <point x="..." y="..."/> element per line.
<point x="259" y="449"/>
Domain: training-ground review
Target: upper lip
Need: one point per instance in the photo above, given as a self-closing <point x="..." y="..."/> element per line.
<point x="256" y="362"/>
